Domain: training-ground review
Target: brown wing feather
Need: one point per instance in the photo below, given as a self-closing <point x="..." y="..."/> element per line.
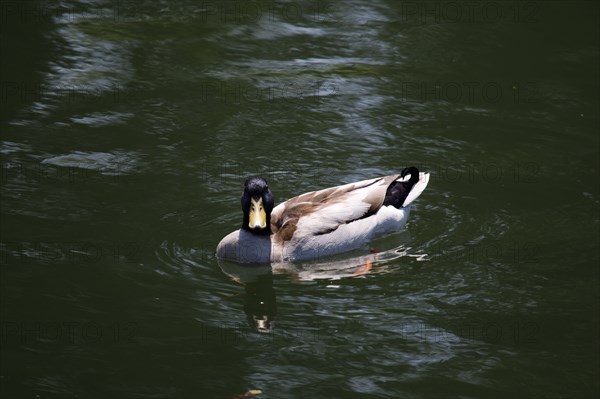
<point x="284" y="222"/>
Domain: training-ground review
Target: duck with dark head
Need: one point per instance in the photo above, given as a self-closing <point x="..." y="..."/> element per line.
<point x="320" y="223"/>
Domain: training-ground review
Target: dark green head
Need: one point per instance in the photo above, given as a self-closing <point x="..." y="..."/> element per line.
<point x="257" y="204"/>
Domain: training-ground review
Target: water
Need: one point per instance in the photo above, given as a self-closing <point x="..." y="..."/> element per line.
<point x="127" y="132"/>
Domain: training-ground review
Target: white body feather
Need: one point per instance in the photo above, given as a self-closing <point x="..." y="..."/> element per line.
<point x="346" y="237"/>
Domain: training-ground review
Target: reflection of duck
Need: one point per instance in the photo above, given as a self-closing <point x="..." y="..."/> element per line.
<point x="322" y="222"/>
<point x="260" y="304"/>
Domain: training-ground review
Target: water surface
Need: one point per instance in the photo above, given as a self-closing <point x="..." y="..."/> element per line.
<point x="129" y="128"/>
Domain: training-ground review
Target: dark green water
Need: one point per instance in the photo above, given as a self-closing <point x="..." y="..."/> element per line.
<point x="127" y="131"/>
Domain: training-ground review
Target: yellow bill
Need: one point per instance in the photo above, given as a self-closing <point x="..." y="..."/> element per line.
<point x="258" y="216"/>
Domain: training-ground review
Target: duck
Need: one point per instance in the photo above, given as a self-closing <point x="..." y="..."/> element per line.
<point x="320" y="223"/>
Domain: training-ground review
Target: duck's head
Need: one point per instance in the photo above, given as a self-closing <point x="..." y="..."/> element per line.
<point x="257" y="204"/>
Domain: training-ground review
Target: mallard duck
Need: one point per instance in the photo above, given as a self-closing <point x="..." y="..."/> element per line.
<point x="320" y="223"/>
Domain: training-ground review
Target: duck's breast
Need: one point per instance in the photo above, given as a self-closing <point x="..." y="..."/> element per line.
<point x="242" y="246"/>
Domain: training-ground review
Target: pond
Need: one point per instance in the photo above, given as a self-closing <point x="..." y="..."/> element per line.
<point x="128" y="129"/>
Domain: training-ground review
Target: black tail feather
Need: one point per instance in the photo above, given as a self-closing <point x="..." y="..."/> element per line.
<point x="398" y="191"/>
